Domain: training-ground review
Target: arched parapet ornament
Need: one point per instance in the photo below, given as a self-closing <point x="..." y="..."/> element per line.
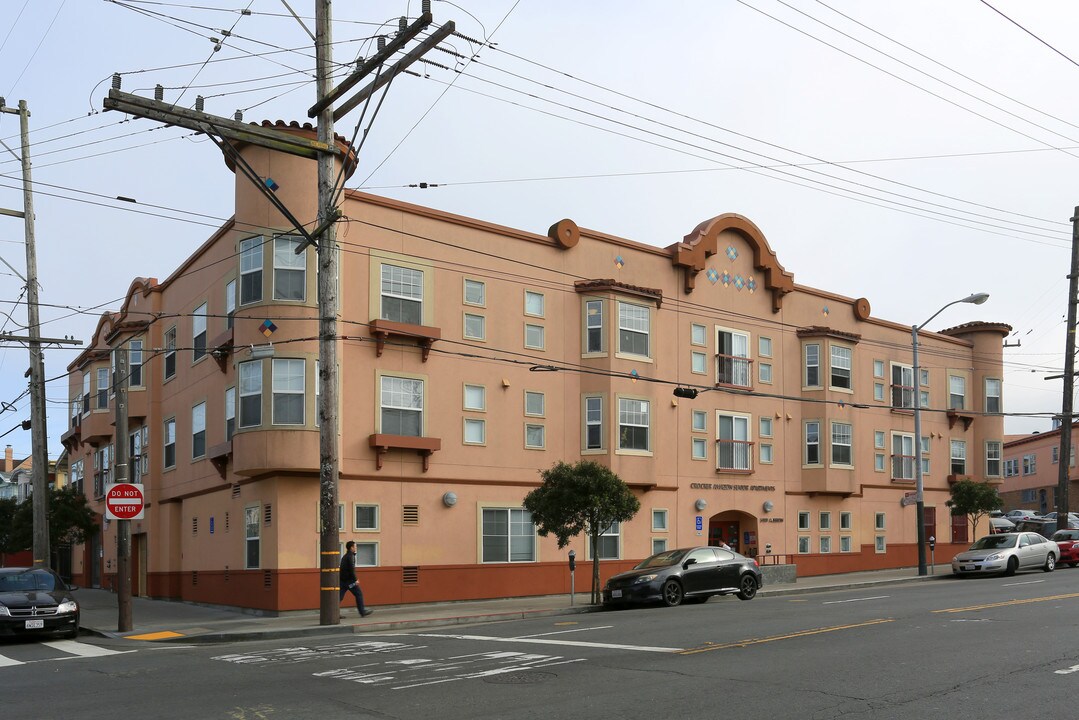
<point x="693" y="252"/>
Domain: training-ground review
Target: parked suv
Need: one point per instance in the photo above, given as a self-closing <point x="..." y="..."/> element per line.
<point x="1068" y="542"/>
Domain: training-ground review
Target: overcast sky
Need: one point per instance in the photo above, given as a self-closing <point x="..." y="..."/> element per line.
<point x="907" y="152"/>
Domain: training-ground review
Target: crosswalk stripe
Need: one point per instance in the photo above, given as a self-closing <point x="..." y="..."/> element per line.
<point x="80" y="649"/>
<point x="6" y="661"/>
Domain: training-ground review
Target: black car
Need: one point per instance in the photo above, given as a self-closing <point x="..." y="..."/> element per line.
<point x="36" y="600"/>
<point x="685" y="574"/>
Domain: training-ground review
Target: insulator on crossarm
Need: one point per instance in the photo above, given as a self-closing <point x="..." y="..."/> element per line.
<point x="116" y="81"/>
<point x="200" y="103"/>
<point x="381" y="42"/>
<point x="426" y="6"/>
<point x="402" y="24"/>
<point x="159" y="93"/>
<point x="238" y="116"/>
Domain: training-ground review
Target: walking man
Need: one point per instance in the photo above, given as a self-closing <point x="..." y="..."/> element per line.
<point x="349" y="583"/>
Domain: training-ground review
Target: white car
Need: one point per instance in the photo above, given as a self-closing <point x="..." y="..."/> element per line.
<point x="1006" y="553"/>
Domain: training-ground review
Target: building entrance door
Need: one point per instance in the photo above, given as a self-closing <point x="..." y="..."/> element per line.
<point x="724" y="531"/>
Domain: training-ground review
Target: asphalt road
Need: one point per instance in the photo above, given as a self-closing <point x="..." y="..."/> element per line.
<point x="986" y="647"/>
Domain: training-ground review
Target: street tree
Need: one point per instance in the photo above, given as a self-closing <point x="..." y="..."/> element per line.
<point x="70" y="518"/>
<point x="582" y="497"/>
<point x="974" y="499"/>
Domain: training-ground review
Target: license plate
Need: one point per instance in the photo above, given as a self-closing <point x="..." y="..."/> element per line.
<point x="35" y="624"/>
<point x="971" y="567"/>
<point x="616" y="593"/>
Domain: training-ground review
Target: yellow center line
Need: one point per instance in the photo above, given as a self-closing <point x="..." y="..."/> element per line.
<point x="1006" y="603"/>
<point x="801" y="633"/>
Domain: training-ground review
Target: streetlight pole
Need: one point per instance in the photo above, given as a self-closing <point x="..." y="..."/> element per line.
<point x="976" y="299"/>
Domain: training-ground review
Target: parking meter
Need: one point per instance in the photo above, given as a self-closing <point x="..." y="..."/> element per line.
<point x="932" y="554"/>
<point x="572" y="560"/>
<point x="572" y="567"/>
<point x="932" y="542"/>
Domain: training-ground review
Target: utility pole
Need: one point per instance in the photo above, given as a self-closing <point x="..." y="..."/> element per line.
<point x="121" y="475"/>
<point x="1066" y="420"/>
<point x="329" y="538"/>
<point x="39" y="435"/>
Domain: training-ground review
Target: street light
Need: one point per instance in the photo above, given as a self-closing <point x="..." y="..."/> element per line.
<point x="975" y="299"/>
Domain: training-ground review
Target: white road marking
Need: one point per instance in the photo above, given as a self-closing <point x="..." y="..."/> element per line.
<point x="6" y="661"/>
<point x="560" y="632"/>
<point x="1029" y="582"/>
<point x="82" y="650"/>
<point x="836" y="602"/>
<point x="1073" y="668"/>
<point x="571" y="643"/>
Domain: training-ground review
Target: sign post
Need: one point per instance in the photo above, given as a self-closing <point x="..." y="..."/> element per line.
<point x="124" y="501"/>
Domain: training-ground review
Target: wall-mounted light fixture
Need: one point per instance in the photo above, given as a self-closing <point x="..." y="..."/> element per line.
<point x="701" y="504"/>
<point x="768" y="506"/>
<point x="449" y="499"/>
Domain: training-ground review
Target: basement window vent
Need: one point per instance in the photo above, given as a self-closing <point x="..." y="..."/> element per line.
<point x="267" y="579"/>
<point x="194" y="577"/>
<point x="410" y="575"/>
<point x="411" y="515"/>
<point x="267" y="514"/>
<point x="194" y="526"/>
<point x="235" y="491"/>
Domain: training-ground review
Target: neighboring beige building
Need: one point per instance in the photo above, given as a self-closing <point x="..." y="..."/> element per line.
<point x="473" y="356"/>
<point x="1032" y="472"/>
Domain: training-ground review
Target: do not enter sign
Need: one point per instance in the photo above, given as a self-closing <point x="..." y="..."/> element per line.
<point x="124" y="501"/>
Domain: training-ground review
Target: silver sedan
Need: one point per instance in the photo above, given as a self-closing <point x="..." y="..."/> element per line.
<point x="1005" y="553"/>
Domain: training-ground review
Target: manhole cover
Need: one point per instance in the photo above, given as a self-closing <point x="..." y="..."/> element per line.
<point x="519" y="678"/>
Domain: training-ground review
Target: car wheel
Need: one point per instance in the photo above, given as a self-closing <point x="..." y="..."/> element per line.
<point x="1050" y="563"/>
<point x="747" y="588"/>
<point x="672" y="593"/>
<point x="1013" y="565"/>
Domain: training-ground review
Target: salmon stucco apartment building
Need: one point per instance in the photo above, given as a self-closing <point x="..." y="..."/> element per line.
<point x="473" y="356"/>
<point x="1032" y="472"/>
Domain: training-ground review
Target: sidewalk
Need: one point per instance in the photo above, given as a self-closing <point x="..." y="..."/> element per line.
<point x="171" y="621"/>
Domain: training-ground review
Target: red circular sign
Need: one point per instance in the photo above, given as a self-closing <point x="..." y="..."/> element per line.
<point x="124" y="501"/>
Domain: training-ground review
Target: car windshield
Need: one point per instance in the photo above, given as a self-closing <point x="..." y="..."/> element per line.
<point x="1066" y="535"/>
<point x="993" y="542"/>
<point x="26" y="581"/>
<point x="663" y="559"/>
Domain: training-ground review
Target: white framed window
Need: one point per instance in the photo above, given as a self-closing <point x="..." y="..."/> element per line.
<point x="734" y="446"/>
<point x="733" y="364"/>
<point x="698" y="363"/>
<point x="881" y="544"/>
<point x="289" y="268"/>
<point x="250" y="393"/>
<point x="534" y="303"/>
<point x="251" y="270"/>
<point x="401" y="406"/>
<point x="700" y="421"/>
<point x="134" y="363"/>
<point x="170" y="352"/>
<point x="842" y="453"/>
<point x="992" y="395"/>
<point x="633" y="329"/>
<point x="878" y="392"/>
<point x="1030" y="464"/>
<point x="811" y="355"/>
<point x="993" y="449"/>
<point x="902" y="456"/>
<point x="252" y="537"/>
<point x="230" y="304"/>
<point x="957" y="392"/>
<point x="699" y="448"/>
<point x="198" y="333"/>
<point x="845" y="520"/>
<point x="659" y="521"/>
<point x="825" y="544"/>
<point x="288" y="391"/>
<point x="102" y="397"/>
<point x="535" y="436"/>
<point x="508" y="535"/>
<point x="475" y="327"/>
<point x="366" y="554"/>
<point x="879" y="439"/>
<point x="878" y="462"/>
<point x="634" y="424"/>
<point x="878" y="368"/>
<point x="767" y="453"/>
<point x="402" y="294"/>
<point x="475" y="292"/>
<point x="844" y="543"/>
<point x="803" y="544"/>
<point x="902" y="386"/>
<point x="475" y="431"/>
<point x="230" y="412"/>
<point x="198" y="431"/>
<point x="824" y="519"/>
<point x="86" y="388"/>
<point x="698" y="334"/>
<point x="923" y="377"/>
<point x="879" y="521"/>
<point x="959" y="457"/>
<point x="766" y="428"/>
<point x="593" y="422"/>
<point x="365" y="517"/>
<point x="608" y="544"/>
<point x="803" y="520"/>
<point x="475" y="398"/>
<point x="923" y="398"/>
<point x="764" y="373"/>
<point x="840" y="376"/>
<point x="168" y="453"/>
<point x="659" y="545"/>
<point x="812" y="443"/>
<point x="764" y="346"/>
<point x="594" y="339"/>
<point x="534" y="337"/>
<point x="535" y="404"/>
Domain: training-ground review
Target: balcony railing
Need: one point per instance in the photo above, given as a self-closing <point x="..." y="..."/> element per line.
<point x="733" y="370"/>
<point x="734" y="456"/>
<point x="903" y="467"/>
